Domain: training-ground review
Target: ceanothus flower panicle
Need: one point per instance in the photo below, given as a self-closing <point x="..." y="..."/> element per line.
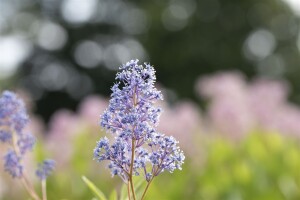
<point x="12" y="164"/>
<point x="45" y="169"/>
<point x="131" y="118"/>
<point x="13" y="119"/>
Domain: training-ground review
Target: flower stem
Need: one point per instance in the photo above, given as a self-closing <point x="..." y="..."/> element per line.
<point x="132" y="150"/>
<point x="24" y="179"/>
<point x="128" y="191"/>
<point x="44" y="190"/>
<point x="29" y="189"/>
<point x="146" y="189"/>
<point x="131" y="168"/>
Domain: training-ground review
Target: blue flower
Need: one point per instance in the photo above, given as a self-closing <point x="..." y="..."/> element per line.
<point x="13" y="119"/>
<point x="131" y="118"/>
<point x="166" y="156"/>
<point x="45" y="169"/>
<point x="26" y="143"/>
<point x="5" y="136"/>
<point x="12" y="164"/>
<point x="12" y="112"/>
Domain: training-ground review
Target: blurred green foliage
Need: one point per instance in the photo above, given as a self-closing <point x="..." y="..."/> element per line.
<point x="260" y="166"/>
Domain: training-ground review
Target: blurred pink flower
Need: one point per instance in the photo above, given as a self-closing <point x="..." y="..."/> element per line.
<point x="269" y="102"/>
<point x="288" y="120"/>
<point x="267" y="98"/>
<point x="63" y="127"/>
<point x="230" y="117"/>
<point x="62" y="124"/>
<point x="221" y="84"/>
<point x="236" y="107"/>
<point x="229" y="110"/>
<point x="182" y="121"/>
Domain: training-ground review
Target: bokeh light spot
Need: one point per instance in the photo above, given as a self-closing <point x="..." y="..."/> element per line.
<point x="51" y="36"/>
<point x="259" y="44"/>
<point x="88" y="54"/>
<point x="78" y="11"/>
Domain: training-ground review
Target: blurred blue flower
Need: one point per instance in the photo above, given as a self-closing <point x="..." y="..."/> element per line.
<point x="5" y="136"/>
<point x="13" y="119"/>
<point x="12" y="164"/>
<point x="26" y="142"/>
<point x="45" y="169"/>
<point x="12" y="112"/>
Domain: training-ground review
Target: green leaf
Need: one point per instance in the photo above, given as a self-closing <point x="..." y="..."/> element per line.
<point x="92" y="187"/>
<point x="113" y="195"/>
<point x="138" y="187"/>
<point x="138" y="183"/>
<point x="124" y="195"/>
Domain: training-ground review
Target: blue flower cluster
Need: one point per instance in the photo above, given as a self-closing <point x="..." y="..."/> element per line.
<point x="131" y="117"/>
<point x="45" y="169"/>
<point x="12" y="164"/>
<point x="13" y="119"/>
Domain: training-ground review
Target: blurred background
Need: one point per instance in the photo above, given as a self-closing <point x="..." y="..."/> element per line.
<point x="229" y="71"/>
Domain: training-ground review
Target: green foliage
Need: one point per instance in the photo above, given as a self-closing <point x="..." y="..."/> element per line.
<point x="138" y="183"/>
<point x="113" y="195"/>
<point x="264" y="166"/>
<point x="94" y="189"/>
<point x="261" y="166"/>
